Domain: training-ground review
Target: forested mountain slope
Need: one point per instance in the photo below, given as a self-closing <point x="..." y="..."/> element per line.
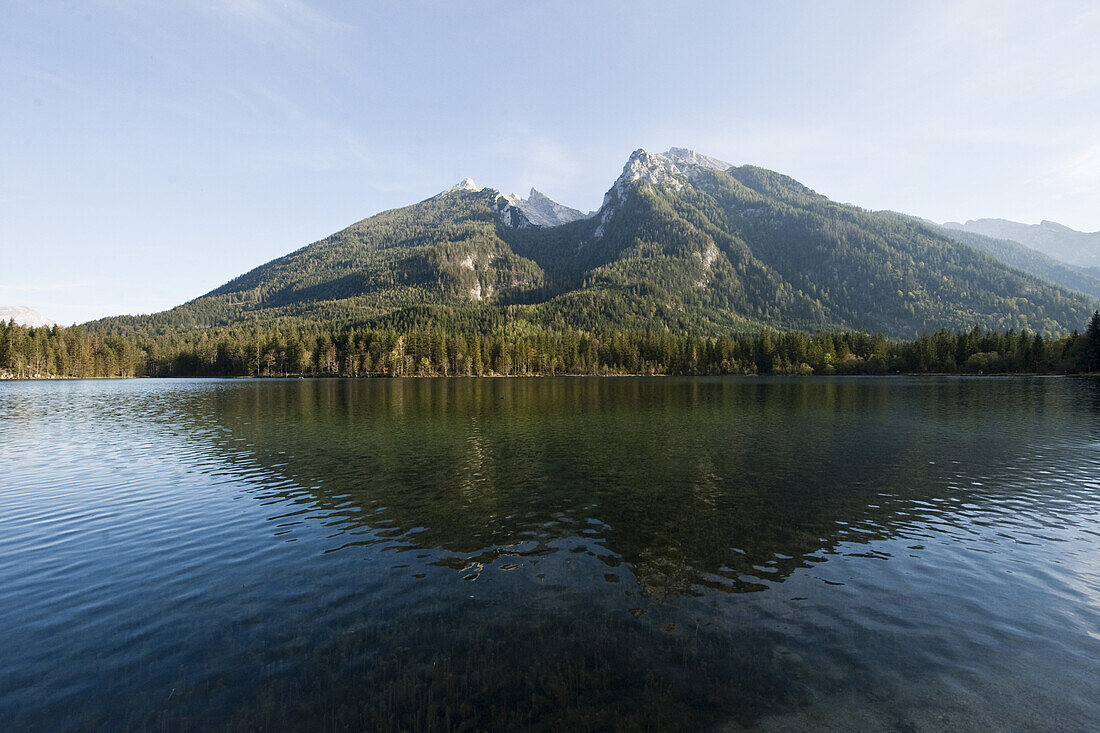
<point x="682" y="241"/>
<point x="1022" y="257"/>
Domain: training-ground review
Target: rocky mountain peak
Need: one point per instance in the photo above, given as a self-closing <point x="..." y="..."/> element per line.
<point x="24" y="316"/>
<point x="538" y="197"/>
<point x="675" y="167"/>
<point x="537" y="210"/>
<point x="466" y="184"/>
<point x="687" y="157"/>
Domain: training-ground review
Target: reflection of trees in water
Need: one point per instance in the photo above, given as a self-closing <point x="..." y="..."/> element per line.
<point x="691" y="483"/>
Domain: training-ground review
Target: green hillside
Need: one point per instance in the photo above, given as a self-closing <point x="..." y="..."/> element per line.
<point x="682" y="242"/>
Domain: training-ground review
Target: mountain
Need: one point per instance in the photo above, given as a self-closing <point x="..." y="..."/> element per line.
<point x="24" y="316"/>
<point x="682" y="241"/>
<point x="537" y="210"/>
<point x="1024" y="258"/>
<point x="1051" y="238"/>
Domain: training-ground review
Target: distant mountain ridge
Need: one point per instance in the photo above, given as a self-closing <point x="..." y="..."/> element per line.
<point x="1051" y="238"/>
<point x="1024" y="258"/>
<point x="682" y="241"/>
<point x="24" y="316"/>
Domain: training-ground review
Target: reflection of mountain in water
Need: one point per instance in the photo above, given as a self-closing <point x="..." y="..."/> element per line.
<point x="690" y="484"/>
<point x="592" y="518"/>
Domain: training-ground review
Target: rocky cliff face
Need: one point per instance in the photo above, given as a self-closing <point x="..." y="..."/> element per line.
<point x="537" y="210"/>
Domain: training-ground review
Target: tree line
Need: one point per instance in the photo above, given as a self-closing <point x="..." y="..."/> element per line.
<point x="297" y="349"/>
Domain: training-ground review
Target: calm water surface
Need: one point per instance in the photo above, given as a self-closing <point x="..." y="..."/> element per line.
<point x="874" y="554"/>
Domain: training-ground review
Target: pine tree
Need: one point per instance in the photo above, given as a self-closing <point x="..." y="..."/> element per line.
<point x="1092" y="344"/>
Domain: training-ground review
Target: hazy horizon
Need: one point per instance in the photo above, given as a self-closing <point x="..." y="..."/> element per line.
<point x="154" y="152"/>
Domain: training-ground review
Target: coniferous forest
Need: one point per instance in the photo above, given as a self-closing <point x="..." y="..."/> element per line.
<point x="306" y="350"/>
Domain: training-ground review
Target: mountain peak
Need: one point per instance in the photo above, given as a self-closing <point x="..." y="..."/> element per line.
<point x="466" y="184"/>
<point x="692" y="158"/>
<point x="538" y="210"/>
<point x="676" y="167"/>
<point x="1056" y="227"/>
<point x="24" y="316"/>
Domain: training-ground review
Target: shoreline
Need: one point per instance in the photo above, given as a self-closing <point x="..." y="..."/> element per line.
<point x="313" y="377"/>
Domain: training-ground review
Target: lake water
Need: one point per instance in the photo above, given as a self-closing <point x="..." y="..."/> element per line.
<point x="902" y="554"/>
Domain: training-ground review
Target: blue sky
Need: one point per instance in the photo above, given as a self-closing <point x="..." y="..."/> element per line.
<point x="150" y="151"/>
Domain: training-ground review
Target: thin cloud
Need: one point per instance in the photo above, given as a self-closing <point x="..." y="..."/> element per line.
<point x="285" y="17"/>
<point x="287" y="26"/>
<point x="1085" y="166"/>
<point x="48" y="288"/>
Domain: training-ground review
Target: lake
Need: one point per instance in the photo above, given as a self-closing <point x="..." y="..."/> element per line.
<point x="902" y="554"/>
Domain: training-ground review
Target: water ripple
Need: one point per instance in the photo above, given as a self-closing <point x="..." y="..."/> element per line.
<point x="900" y="553"/>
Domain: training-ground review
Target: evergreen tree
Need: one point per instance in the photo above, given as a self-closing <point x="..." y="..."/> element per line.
<point x="1092" y="344"/>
